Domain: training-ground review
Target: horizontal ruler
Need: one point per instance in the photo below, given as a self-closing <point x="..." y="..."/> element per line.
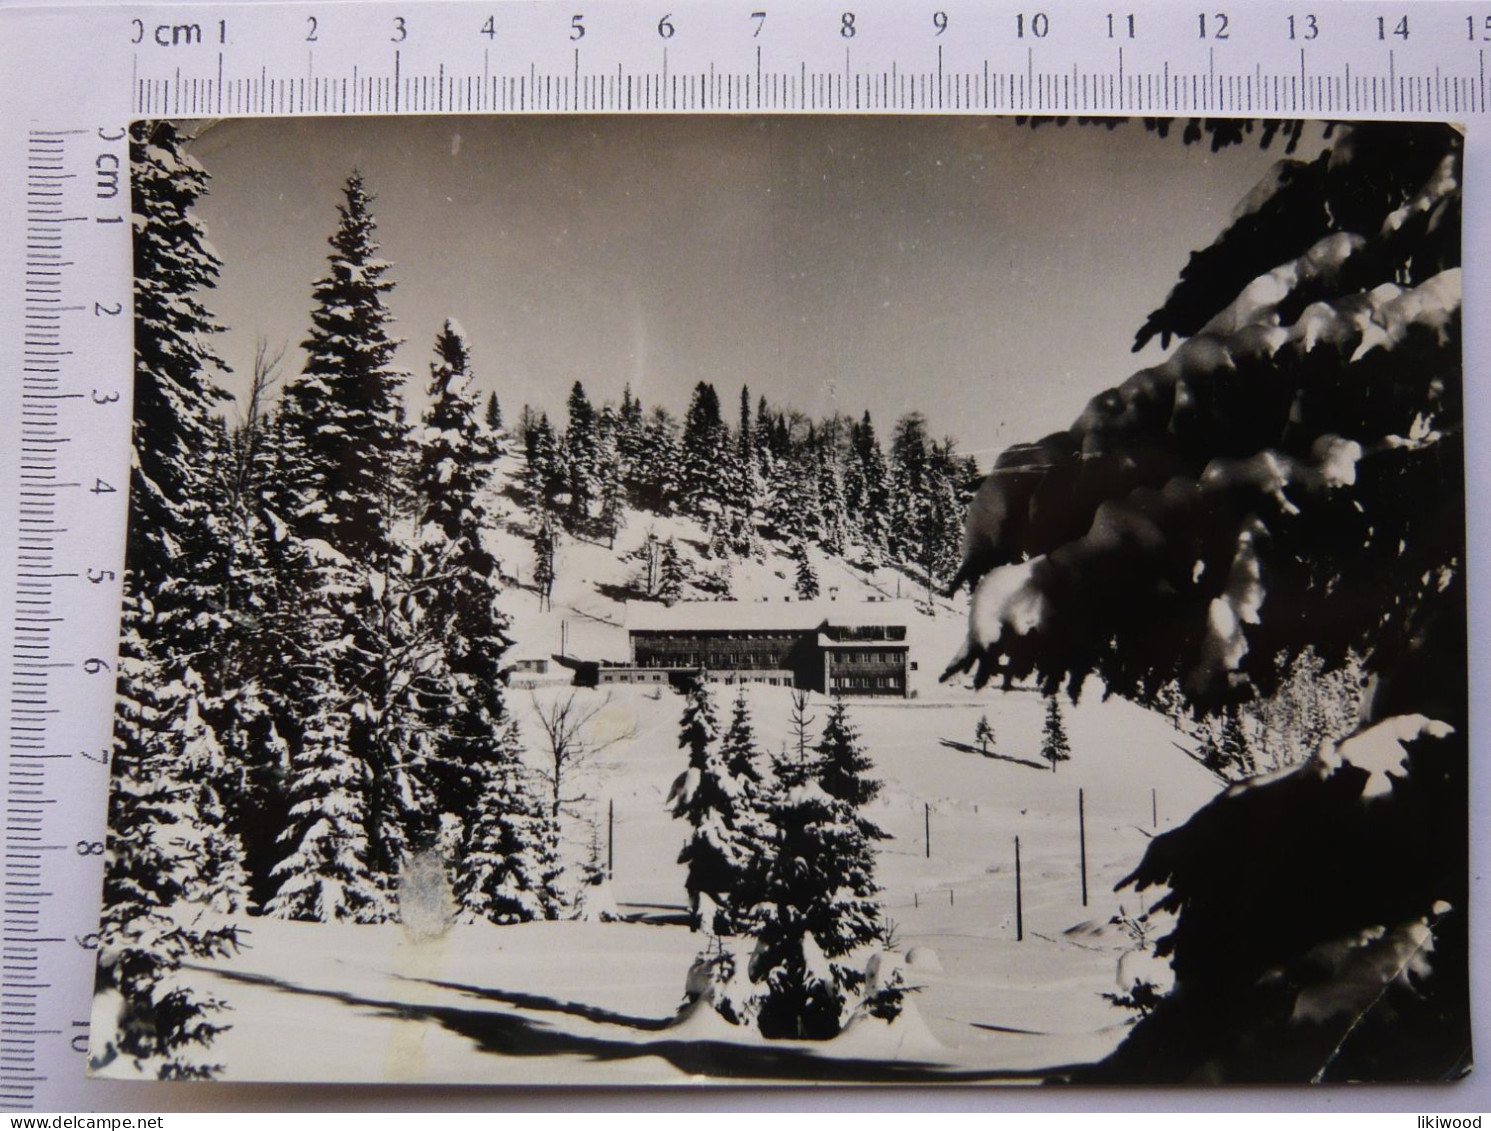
<point x="1350" y="59"/>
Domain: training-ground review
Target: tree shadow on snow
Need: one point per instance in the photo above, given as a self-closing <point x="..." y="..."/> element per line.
<point x="509" y="1034"/>
<point x="540" y="1004"/>
<point x="965" y="748"/>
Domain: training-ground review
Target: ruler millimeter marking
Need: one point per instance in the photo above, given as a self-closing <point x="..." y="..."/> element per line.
<point x="1359" y="58"/>
<point x="67" y="473"/>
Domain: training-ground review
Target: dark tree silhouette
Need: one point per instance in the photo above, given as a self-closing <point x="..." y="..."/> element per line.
<point x="1291" y="477"/>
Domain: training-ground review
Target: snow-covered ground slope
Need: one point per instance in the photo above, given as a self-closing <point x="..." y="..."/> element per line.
<point x="593" y="1002"/>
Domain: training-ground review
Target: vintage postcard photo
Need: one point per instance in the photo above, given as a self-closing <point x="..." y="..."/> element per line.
<point x="659" y="600"/>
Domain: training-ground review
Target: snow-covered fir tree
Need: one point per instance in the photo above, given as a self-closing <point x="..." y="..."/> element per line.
<point x="705" y="480"/>
<point x="343" y="416"/>
<point x="865" y="486"/>
<point x="508" y="869"/>
<point x="707" y="798"/>
<point x="748" y="773"/>
<point x="457" y="634"/>
<point x="163" y="804"/>
<point x="833" y="514"/>
<point x="656" y="469"/>
<point x="1320" y="331"/>
<point x="326" y="873"/>
<point x="819" y="920"/>
<point x="542" y="475"/>
<point x="1235" y="750"/>
<point x="343" y="496"/>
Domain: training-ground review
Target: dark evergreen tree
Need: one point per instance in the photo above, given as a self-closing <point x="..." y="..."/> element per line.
<point x="1199" y="523"/>
<point x="1236" y="752"/>
<point x="843" y="764"/>
<point x="704" y="476"/>
<point x="806" y="581"/>
<point x="541" y="469"/>
<point x="581" y="457"/>
<point x="631" y="440"/>
<point x="256" y="656"/>
<point x="940" y="517"/>
<point x="866" y="486"/>
<point x="751" y="785"/>
<point x="833" y="514"/>
<point x="658" y="465"/>
<point x="545" y="544"/>
<point x="671" y="577"/>
<point x="326" y="873"/>
<point x="983" y="734"/>
<point x="1054" y="745"/>
<point x="909" y="455"/>
<point x="746" y="501"/>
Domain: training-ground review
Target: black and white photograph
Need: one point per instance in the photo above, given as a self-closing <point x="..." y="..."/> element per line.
<point x="657" y="600"/>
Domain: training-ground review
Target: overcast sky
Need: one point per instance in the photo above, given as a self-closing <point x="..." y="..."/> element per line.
<point x="990" y="275"/>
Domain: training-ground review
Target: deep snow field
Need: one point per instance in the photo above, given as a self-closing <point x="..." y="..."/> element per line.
<point x="593" y="1002"/>
<point x="597" y="1002"/>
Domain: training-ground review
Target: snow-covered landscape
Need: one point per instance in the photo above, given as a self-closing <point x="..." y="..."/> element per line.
<point x="678" y="724"/>
<point x="599" y="1002"/>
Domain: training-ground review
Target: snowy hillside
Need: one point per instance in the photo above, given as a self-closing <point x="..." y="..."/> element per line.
<point x="596" y="584"/>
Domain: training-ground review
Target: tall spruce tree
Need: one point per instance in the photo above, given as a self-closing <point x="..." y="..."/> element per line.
<point x="631" y="438"/>
<point x="343" y="496"/>
<point x="541" y="469"/>
<point x="805" y="581"/>
<point x="326" y="874"/>
<point x="167" y="767"/>
<point x="866" y="485"/>
<point x="343" y="415"/>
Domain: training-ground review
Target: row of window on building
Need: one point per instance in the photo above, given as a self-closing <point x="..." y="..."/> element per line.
<point x="866" y="683"/>
<point x="868" y="657"/>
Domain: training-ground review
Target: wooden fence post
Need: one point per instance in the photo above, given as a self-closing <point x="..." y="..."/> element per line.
<point x="1019" y="906"/>
<point x="1082" y="841"/>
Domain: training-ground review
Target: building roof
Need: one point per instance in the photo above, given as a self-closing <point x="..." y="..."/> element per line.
<point x="762" y="616"/>
<point x="862" y="645"/>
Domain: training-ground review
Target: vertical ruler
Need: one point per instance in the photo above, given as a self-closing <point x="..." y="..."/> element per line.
<point x="65" y="488"/>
